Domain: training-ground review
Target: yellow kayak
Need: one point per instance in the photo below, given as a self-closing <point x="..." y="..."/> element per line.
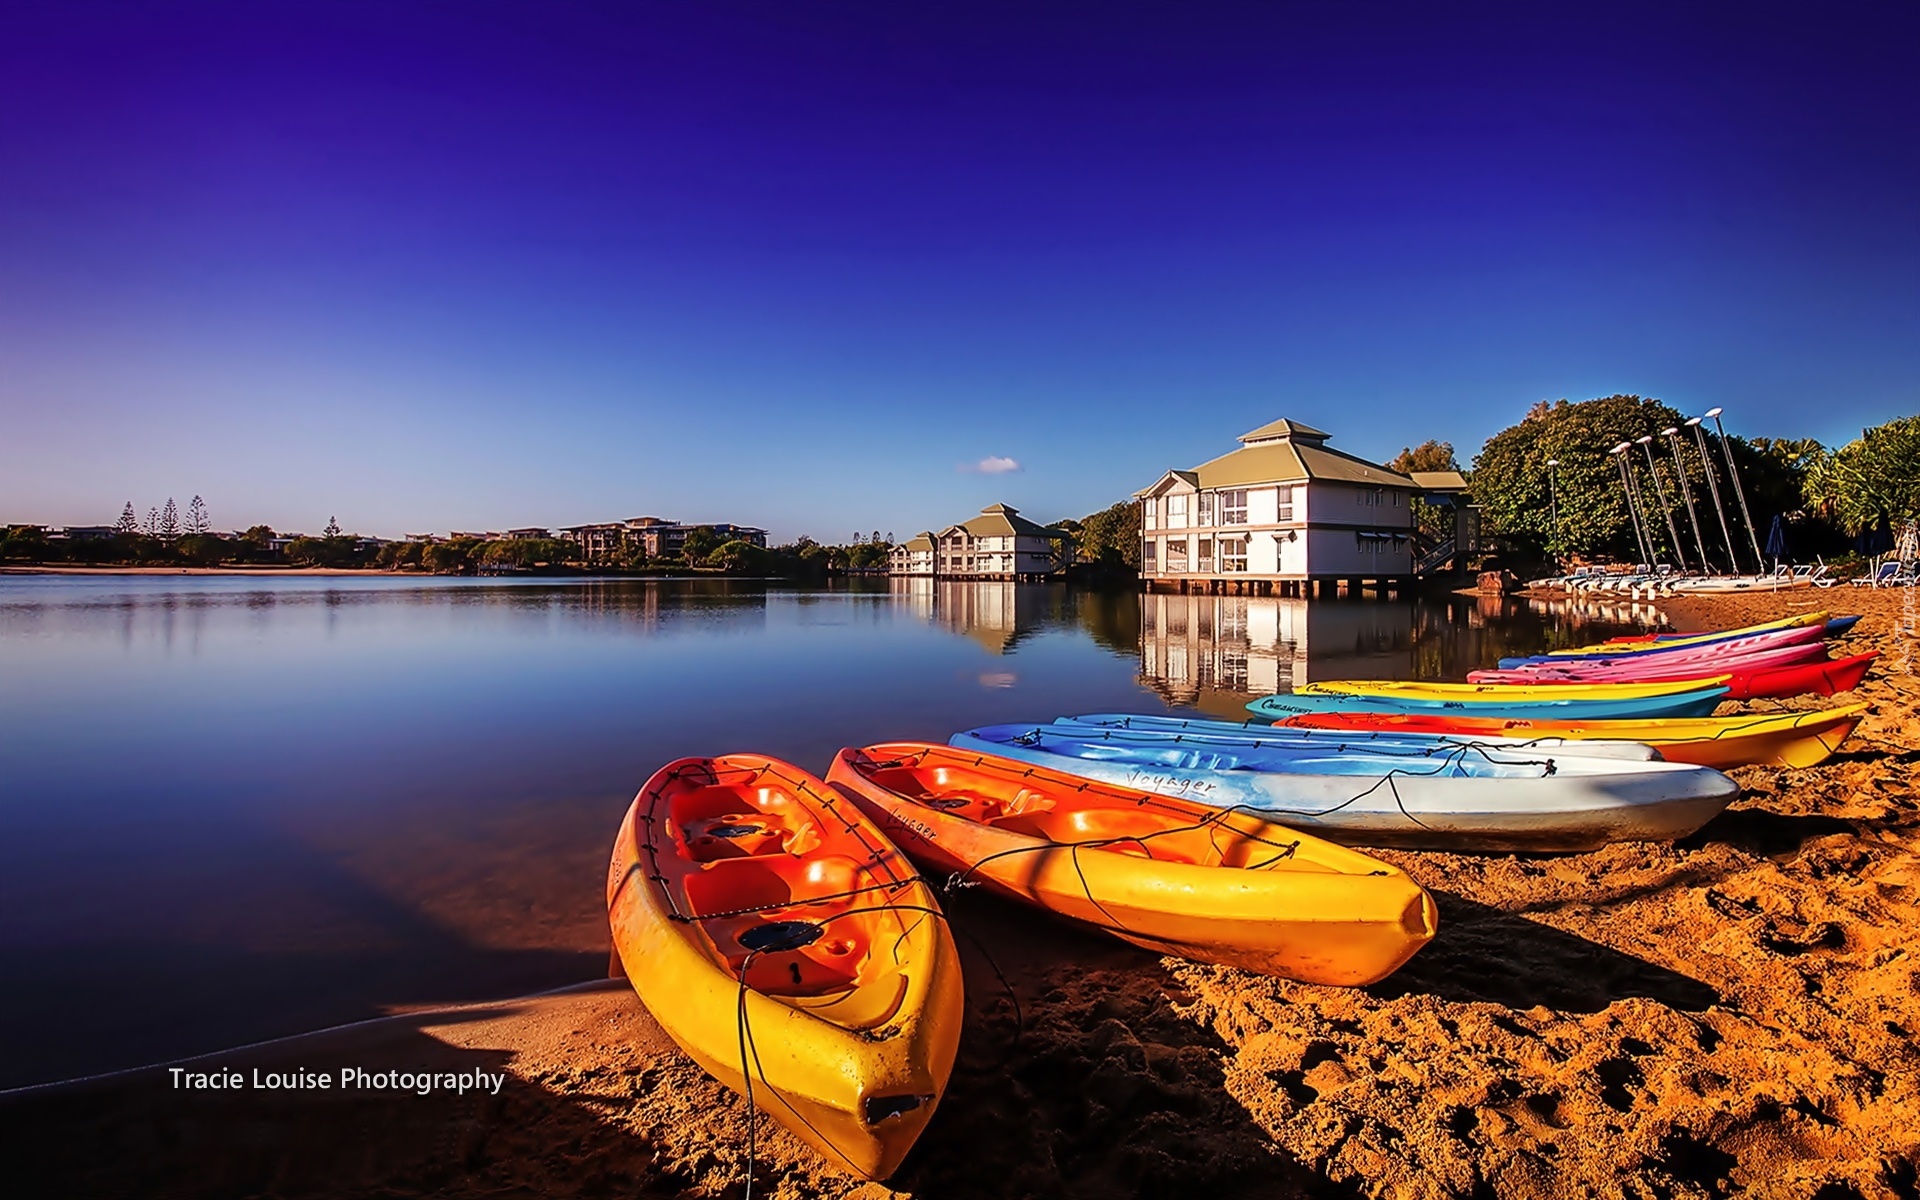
<point x="1174" y="876"/>
<point x="1416" y="690"/>
<point x="1804" y="619"/>
<point x="1790" y="739"/>
<point x="791" y="950"/>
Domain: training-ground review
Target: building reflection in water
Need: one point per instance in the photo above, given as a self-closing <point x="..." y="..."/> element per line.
<point x="1215" y="653"/>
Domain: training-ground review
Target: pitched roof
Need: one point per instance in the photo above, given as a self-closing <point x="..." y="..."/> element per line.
<point x="1439" y="481"/>
<point x="1284" y="428"/>
<point x="1291" y="452"/>
<point x="1000" y="520"/>
<point x="922" y="541"/>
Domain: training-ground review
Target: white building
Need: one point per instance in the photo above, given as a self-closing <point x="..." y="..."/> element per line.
<point x="1283" y="513"/>
<point x="997" y="544"/>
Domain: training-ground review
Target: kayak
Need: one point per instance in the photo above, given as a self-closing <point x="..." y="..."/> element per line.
<point x="1836" y="627"/>
<point x="1707" y="652"/>
<point x="762" y="919"/>
<point x="1796" y="739"/>
<point x="1173" y="876"/>
<point x="1770" y="675"/>
<point x="1461" y="798"/>
<point x="1422" y="690"/>
<point x="1696" y="703"/>
<point x="1654" y="668"/>
<point x="1394" y="742"/>
<point x="1803" y="621"/>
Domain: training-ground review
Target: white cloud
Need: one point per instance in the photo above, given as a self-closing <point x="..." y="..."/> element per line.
<point x="993" y="464"/>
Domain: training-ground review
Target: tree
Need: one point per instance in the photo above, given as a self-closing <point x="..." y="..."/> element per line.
<point x="153" y="523"/>
<point x="741" y="558"/>
<point x="197" y="522"/>
<point x="1429" y="455"/>
<point x="701" y="541"/>
<point x="333" y="528"/>
<point x="170" y="521"/>
<point x="259" y="535"/>
<point x="1510" y="477"/>
<point x="128" y="523"/>
<point x="1874" y="476"/>
<point x="1110" y="538"/>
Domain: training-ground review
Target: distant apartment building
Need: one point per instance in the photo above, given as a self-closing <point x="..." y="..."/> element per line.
<point x="1283" y="513"/>
<point x="997" y="544"/>
<point x="655" y="536"/>
<point x="530" y="533"/>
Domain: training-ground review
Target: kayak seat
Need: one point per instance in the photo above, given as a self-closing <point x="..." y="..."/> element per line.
<point x="715" y="823"/>
<point x="781" y="914"/>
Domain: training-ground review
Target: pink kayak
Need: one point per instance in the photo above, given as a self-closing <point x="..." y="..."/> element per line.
<point x="1704" y="654"/>
<point x="1643" y="669"/>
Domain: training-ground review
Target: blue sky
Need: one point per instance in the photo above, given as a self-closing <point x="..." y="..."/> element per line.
<point x="432" y="266"/>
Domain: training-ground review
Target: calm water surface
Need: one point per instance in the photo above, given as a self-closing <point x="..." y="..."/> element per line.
<point x="237" y="808"/>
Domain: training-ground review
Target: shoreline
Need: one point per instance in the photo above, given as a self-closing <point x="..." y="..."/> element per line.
<point x="1736" y="1011"/>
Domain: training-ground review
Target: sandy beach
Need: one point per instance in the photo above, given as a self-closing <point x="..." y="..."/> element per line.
<point x="1733" y="1014"/>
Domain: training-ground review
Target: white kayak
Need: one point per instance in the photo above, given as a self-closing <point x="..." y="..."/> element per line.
<point x="1481" y="798"/>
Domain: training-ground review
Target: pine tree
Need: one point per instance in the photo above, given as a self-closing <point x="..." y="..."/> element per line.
<point x="333" y="527"/>
<point x="169" y="521"/>
<point x="197" y="522"/>
<point x="153" y="523"/>
<point x="128" y="522"/>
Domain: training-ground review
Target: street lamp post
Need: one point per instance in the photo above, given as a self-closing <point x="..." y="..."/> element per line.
<point x="1733" y="472"/>
<point x="1713" y="486"/>
<point x="1633" y="509"/>
<point x="1672" y="434"/>
<point x="1660" y="491"/>
<point x="1553" y="509"/>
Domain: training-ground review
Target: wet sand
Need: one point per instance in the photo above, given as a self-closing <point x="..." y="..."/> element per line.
<point x="1734" y="1014"/>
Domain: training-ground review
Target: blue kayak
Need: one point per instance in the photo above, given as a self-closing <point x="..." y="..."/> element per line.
<point x="1467" y="797"/>
<point x="1697" y="703"/>
<point x="1265" y="733"/>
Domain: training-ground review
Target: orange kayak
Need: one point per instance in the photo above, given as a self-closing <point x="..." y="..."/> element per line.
<point x="791" y="950"/>
<point x="1784" y="739"/>
<point x="1170" y="875"/>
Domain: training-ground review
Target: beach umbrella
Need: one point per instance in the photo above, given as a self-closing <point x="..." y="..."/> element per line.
<point x="1777" y="540"/>
<point x="1879" y="539"/>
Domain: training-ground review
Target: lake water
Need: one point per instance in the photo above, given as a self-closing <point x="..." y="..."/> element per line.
<point x="237" y="808"/>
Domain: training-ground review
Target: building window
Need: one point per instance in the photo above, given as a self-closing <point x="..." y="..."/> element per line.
<point x="1176" y="556"/>
<point x="1203" y="509"/>
<point x="1176" y="512"/>
<point x="1233" y="555"/>
<point x="1396" y="499"/>
<point x="1150" y="514"/>
<point x="1206" y="555"/>
<point x="1148" y="555"/>
<point x="1285" y="511"/>
<point x="1233" y="507"/>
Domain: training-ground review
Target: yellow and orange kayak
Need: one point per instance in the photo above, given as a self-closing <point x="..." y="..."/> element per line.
<point x="791" y="950"/>
<point x="1170" y="875"/>
<point x="1788" y="739"/>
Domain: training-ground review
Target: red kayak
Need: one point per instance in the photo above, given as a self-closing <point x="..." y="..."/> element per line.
<point x="1822" y="676"/>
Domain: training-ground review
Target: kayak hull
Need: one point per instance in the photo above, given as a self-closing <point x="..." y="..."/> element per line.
<point x="1699" y="651"/>
<point x="1773" y="675"/>
<point x="1698" y="703"/>
<point x="1338" y="738"/>
<point x="1561" y="803"/>
<point x="724" y="868"/>
<point x="1168" y="875"/>
<point x="1769" y="739"/>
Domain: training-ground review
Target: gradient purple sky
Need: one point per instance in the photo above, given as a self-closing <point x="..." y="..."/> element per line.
<point x="472" y="265"/>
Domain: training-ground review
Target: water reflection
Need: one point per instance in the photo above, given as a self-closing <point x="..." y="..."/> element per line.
<point x="1215" y="653"/>
<point x="265" y="805"/>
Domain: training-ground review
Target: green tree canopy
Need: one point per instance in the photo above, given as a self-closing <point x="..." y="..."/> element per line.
<point x="1111" y="537"/>
<point x="1876" y="475"/>
<point x="1510" y="483"/>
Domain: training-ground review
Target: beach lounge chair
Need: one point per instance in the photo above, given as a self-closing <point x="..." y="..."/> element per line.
<point x="1879" y="576"/>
